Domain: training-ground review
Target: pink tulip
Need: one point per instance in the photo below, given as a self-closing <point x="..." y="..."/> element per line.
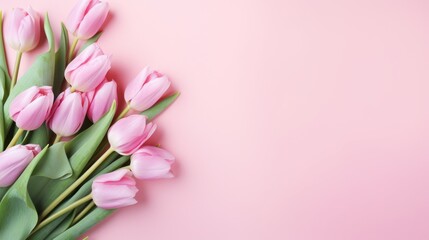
<point x="129" y="133"/>
<point x="114" y="190"/>
<point x="88" y="69"/>
<point x="86" y="18"/>
<point x="14" y="160"/>
<point x="146" y="89"/>
<point x="22" y="29"/>
<point x="68" y="113"/>
<point x="101" y="100"/>
<point x="151" y="163"/>
<point x="31" y="108"/>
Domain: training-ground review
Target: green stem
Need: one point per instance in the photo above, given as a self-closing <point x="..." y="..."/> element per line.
<point x="57" y="139"/>
<point x="75" y="184"/>
<point x="83" y="212"/>
<point x="16" y="69"/>
<point x="15" y="137"/>
<point x="124" y="112"/>
<point x="72" y="48"/>
<point x="62" y="211"/>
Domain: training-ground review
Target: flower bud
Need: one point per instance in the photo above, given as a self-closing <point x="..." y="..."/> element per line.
<point x="146" y="89"/>
<point x="68" y="113"/>
<point x="129" y="133"/>
<point x="88" y="69"/>
<point x="114" y="190"/>
<point x="86" y="18"/>
<point x="22" y="29"/>
<point x="14" y="160"/>
<point x="101" y="100"/>
<point x="31" y="108"/>
<point x="151" y="163"/>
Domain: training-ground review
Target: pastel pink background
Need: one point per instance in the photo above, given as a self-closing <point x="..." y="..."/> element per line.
<point x="303" y="120"/>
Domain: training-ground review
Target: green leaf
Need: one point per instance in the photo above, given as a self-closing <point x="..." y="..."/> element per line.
<point x="61" y="60"/>
<point x="154" y="111"/>
<point x="79" y="152"/>
<point x="94" y="217"/>
<point x="90" y="41"/>
<point x="84" y="190"/>
<point x="55" y="164"/>
<point x="3" y="60"/>
<point x="41" y="73"/>
<point x="17" y="213"/>
<point x="63" y="226"/>
<point x="39" y="136"/>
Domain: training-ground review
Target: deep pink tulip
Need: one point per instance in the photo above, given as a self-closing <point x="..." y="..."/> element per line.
<point x="87" y="17"/>
<point x="146" y="89"/>
<point x="22" y="29"/>
<point x="14" y="160"/>
<point x="31" y="108"/>
<point x="68" y="113"/>
<point x="88" y="69"/>
<point x="128" y="134"/>
<point x="114" y="190"/>
<point x="101" y="100"/>
<point x="151" y="163"/>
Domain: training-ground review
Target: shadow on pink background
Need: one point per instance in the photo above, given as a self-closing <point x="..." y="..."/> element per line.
<point x="302" y="120"/>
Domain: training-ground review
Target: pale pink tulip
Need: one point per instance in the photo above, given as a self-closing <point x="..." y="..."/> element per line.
<point x="87" y="17"/>
<point x="146" y="89"/>
<point x="128" y="134"/>
<point x="22" y="29"/>
<point x="68" y="113"/>
<point x="102" y="99"/>
<point x="88" y="69"/>
<point x="152" y="163"/>
<point x="14" y="160"/>
<point x="31" y="108"/>
<point x="114" y="190"/>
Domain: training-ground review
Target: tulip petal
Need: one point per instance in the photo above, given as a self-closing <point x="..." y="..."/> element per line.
<point x="11" y="25"/>
<point x="156" y="151"/>
<point x="150" y="93"/>
<point x="68" y="117"/>
<point x="13" y="162"/>
<point x="22" y="100"/>
<point x="91" y="74"/>
<point x="150" y="167"/>
<point x="93" y="20"/>
<point x="149" y="131"/>
<point x="134" y="86"/>
<point x="34" y="115"/>
<point x="77" y="14"/>
<point x="91" y="52"/>
<point x="29" y="31"/>
<point x="113" y="176"/>
<point x="127" y="134"/>
<point x="102" y="100"/>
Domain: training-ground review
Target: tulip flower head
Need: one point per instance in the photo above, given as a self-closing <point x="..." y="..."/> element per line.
<point x="68" y="113"/>
<point x="86" y="18"/>
<point x="31" y="108"/>
<point x="114" y="190"/>
<point x="101" y="100"/>
<point x="151" y="163"/>
<point x="14" y="160"/>
<point x="146" y="89"/>
<point x="88" y="69"/>
<point x="22" y="29"/>
<point x="128" y="134"/>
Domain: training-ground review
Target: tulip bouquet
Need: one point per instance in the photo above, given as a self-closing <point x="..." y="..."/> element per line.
<point x="68" y="157"/>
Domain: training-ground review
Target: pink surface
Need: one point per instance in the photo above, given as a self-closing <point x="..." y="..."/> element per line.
<point x="303" y="120"/>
